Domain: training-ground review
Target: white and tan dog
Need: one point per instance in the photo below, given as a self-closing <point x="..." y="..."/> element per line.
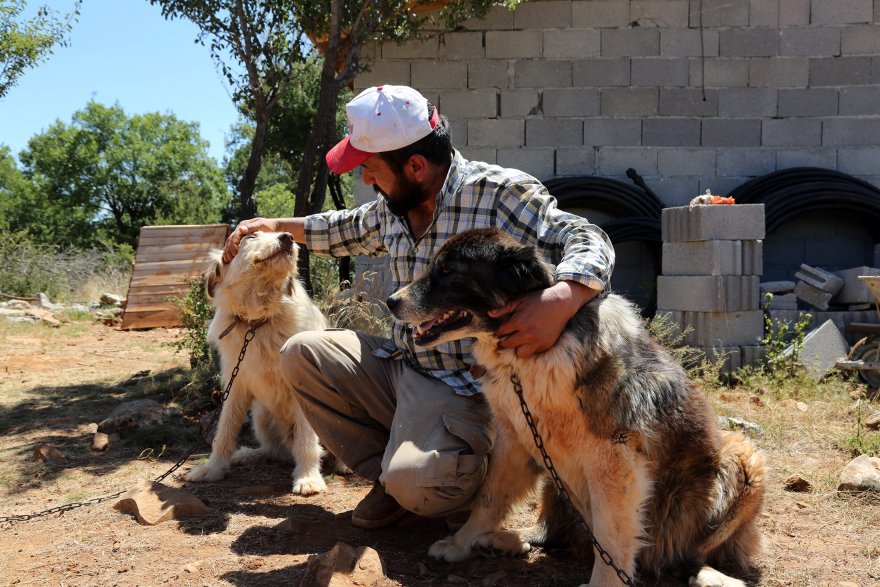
<point x="260" y="287"/>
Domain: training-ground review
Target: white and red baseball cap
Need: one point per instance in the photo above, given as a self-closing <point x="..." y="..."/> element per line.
<point x="381" y="118"/>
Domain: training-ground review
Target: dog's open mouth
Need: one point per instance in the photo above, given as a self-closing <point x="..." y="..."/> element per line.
<point x="432" y="329"/>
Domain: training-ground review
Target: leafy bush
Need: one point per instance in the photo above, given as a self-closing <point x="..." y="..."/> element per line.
<point x="28" y="267"/>
<point x="195" y="312"/>
<point x="783" y="342"/>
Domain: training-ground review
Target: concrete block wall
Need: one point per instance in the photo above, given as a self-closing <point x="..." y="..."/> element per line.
<point x="711" y="274"/>
<point x="589" y="87"/>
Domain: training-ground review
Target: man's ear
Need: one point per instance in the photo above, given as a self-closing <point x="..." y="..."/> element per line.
<point x="417" y="168"/>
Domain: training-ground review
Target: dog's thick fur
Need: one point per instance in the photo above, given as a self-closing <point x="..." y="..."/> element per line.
<point x="260" y="286"/>
<point x="633" y="440"/>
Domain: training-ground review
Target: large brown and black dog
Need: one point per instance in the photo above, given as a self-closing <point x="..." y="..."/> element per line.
<point x="260" y="286"/>
<point x="634" y="441"/>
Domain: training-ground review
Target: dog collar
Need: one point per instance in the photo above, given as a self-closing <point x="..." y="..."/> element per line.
<point x="237" y="319"/>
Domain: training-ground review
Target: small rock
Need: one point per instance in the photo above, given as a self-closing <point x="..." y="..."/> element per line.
<point x="191" y="568"/>
<point x="111" y="299"/>
<point x="756" y="400"/>
<point x="872" y="422"/>
<point x="456" y="579"/>
<point x="802" y="407"/>
<point x="49" y="454"/>
<point x="798" y="484"/>
<point x="100" y="442"/>
<point x="134" y="414"/>
<point x="802" y="504"/>
<point x="18" y="305"/>
<point x="860" y="474"/>
<point x="344" y="566"/>
<point x="153" y="503"/>
<point x="496" y="579"/>
<point x="90" y="428"/>
<point x="731" y="423"/>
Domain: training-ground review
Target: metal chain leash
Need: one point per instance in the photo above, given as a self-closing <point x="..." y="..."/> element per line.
<point x="557" y="481"/>
<point x="9" y="521"/>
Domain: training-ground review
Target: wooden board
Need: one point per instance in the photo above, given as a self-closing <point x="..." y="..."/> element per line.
<point x="167" y="259"/>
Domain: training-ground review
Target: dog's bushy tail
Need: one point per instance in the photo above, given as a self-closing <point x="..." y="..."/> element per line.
<point x="734" y="538"/>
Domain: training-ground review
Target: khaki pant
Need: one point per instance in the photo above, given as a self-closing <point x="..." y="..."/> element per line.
<point x="426" y="444"/>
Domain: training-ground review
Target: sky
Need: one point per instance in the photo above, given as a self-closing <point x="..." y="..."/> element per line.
<point x="121" y="52"/>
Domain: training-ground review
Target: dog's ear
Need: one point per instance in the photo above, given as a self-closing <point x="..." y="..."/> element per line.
<point x="522" y="269"/>
<point x="214" y="273"/>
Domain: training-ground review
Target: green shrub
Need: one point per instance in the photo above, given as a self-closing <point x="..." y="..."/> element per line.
<point x="783" y="342"/>
<point x="195" y="312"/>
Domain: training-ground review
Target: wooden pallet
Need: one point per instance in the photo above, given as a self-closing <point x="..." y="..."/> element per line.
<point x="167" y="259"/>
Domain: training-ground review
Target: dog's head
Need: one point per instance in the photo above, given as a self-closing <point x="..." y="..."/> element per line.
<point x="261" y="272"/>
<point x="472" y="273"/>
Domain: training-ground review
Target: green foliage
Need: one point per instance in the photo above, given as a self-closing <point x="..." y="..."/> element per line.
<point x="105" y="175"/>
<point x="26" y="42"/>
<point x="29" y="266"/>
<point x="195" y="312"/>
<point x="779" y="336"/>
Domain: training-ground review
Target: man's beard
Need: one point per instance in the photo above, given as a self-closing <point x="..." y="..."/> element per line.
<point x="407" y="196"/>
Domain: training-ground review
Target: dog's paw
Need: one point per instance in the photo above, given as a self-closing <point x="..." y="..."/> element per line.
<point x="448" y="550"/>
<point x="709" y="577"/>
<point x="501" y="544"/>
<point x="309" y="485"/>
<point x="204" y="473"/>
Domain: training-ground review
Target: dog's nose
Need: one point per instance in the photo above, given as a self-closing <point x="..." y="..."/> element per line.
<point x="392" y="302"/>
<point x="286" y="238"/>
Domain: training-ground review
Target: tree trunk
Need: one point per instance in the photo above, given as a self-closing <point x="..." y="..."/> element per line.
<point x="248" y="205"/>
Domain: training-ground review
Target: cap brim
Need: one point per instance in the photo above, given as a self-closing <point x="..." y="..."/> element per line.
<point x="344" y="157"/>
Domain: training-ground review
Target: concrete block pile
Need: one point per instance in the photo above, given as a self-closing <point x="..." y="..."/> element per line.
<point x="710" y="282"/>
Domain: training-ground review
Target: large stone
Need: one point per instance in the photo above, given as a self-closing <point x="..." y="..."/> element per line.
<point x="861" y="474"/>
<point x="153" y="503"/>
<point x="134" y="414"/>
<point x="49" y="454"/>
<point x="344" y="566"/>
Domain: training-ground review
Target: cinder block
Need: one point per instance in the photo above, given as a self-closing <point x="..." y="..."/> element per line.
<point x="537" y="162"/>
<point x="580" y="102"/>
<point x="820" y="157"/>
<point x="469" y="104"/>
<point x="854" y="290"/>
<point x="720" y="222"/>
<point x="490" y="73"/>
<point x="721" y="13"/>
<point x="702" y="329"/>
<point x="859" y="161"/>
<point x="747" y="102"/>
<point x="496" y="133"/>
<point x="777" y="287"/>
<point x="659" y="13"/>
<point x="674" y="191"/>
<point x="720" y="73"/>
<point x="384" y="72"/>
<point x="731" y="132"/>
<point x="549" y="14"/>
<point x="753" y="354"/>
<point x="775" y="72"/>
<point x="660" y="72"/>
<point x="575" y="161"/>
<point x="819" y="278"/>
<point x="812" y="295"/>
<point x="821" y="350"/>
<point x="601" y="73"/>
<point x="749" y="42"/>
<point x="613" y="131"/>
<point x="841" y="11"/>
<point x="414" y="49"/>
<point x="791" y="132"/>
<point x="707" y="293"/>
<point x="714" y="257"/>
<point x="860" y="100"/>
<point x="549" y="132"/>
<point x="486" y="154"/>
<point x="860" y="40"/>
<point x="794" y="12"/>
<point x="542" y="74"/>
<point x="671" y="132"/>
<point x="455" y="46"/>
<point x="787" y="301"/>
<point x="809" y="42"/>
<point x="514" y="44"/>
<point x="731" y="355"/>
<point x="440" y="75"/>
<point x="600" y="14"/>
<point x="839" y="71"/>
<point x="639" y="42"/>
<point x="763" y="13"/>
<point x="687" y="102"/>
<point x="850" y="131"/>
<point x="628" y="102"/>
<point x="686" y="162"/>
<point x="498" y="18"/>
<point x="807" y="102"/>
<point x="686" y="43"/>
<point x="570" y="43"/>
<point x="519" y="103"/>
<point x="616" y="160"/>
<point x="739" y="162"/>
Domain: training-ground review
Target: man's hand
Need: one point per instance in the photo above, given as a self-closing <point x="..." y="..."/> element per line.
<point x="537" y="319"/>
<point x="247" y="227"/>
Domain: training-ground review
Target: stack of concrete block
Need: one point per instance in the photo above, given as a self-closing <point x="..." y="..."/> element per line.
<point x="709" y="287"/>
<point x="854" y="292"/>
<point x="783" y="296"/>
<point x="816" y="286"/>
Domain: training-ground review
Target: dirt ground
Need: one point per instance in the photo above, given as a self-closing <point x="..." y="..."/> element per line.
<point x="54" y="384"/>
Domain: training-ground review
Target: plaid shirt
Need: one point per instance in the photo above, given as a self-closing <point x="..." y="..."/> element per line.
<point x="474" y="195"/>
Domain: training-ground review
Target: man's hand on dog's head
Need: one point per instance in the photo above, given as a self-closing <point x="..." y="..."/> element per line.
<point x="536" y="320"/>
<point x="247" y="227"/>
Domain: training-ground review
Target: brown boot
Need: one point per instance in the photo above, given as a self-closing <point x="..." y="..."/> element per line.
<point x="376" y="510"/>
